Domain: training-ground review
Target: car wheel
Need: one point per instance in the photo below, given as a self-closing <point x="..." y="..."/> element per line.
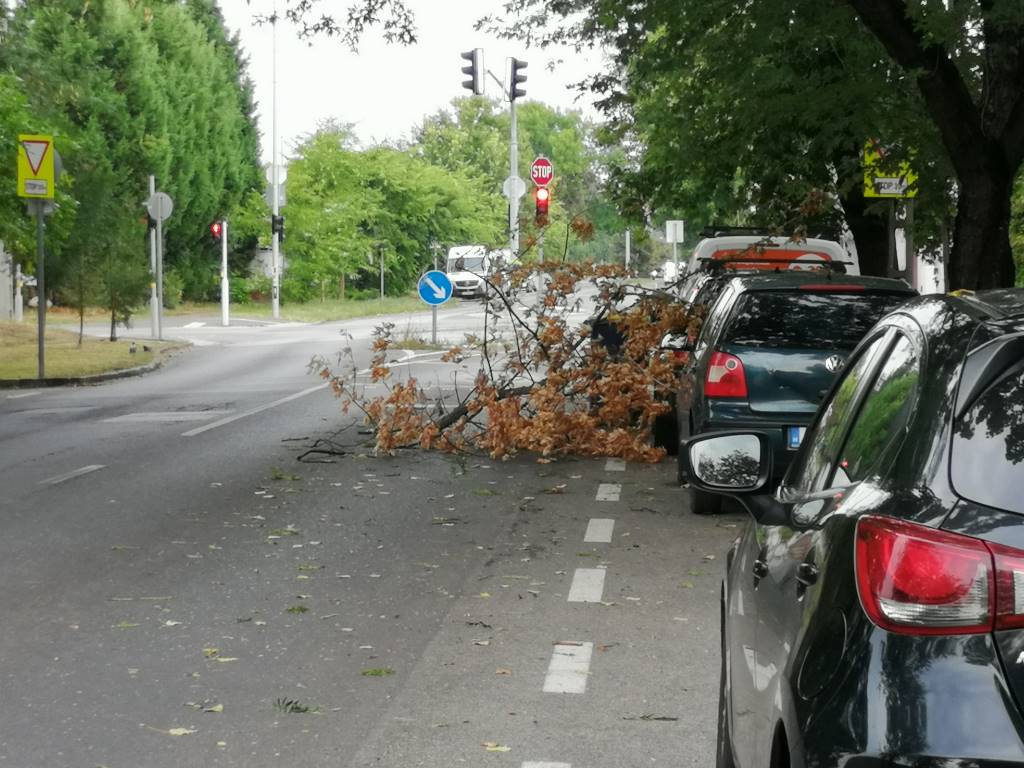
<point x="704" y="503"/>
<point x="723" y="752"/>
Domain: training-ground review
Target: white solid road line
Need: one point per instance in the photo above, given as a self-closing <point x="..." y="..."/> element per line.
<point x="569" y="668"/>
<point x="587" y="585"/>
<point x="535" y="764"/>
<point x="254" y="411"/>
<point x="599" y="530"/>
<point x="615" y="465"/>
<point x="21" y="395"/>
<point x="608" y="492"/>
<point x="164" y="417"/>
<point x="71" y="475"/>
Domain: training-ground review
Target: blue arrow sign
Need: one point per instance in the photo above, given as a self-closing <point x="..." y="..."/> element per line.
<point x="435" y="287"/>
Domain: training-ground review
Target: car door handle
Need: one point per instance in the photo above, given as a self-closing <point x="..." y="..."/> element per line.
<point x="807" y="574"/>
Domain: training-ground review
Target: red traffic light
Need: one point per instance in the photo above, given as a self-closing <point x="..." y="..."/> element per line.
<point x="216" y="229"/>
<point x="542" y="196"/>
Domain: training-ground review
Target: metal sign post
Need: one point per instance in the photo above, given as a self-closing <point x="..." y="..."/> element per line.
<point x="38" y="171"/>
<point x="38" y="207"/>
<point x="160" y="207"/>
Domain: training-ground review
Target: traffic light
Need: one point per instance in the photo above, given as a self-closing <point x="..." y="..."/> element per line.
<point x="277" y="226"/>
<point x="542" y="196"/>
<point x="515" y="79"/>
<point x="475" y="71"/>
<point x="216" y="229"/>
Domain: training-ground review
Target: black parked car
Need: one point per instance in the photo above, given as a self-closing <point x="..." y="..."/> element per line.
<point x="873" y="610"/>
<point x="767" y="352"/>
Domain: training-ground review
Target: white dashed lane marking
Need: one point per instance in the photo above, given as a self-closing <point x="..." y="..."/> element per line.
<point x="194" y="325"/>
<point x="615" y="465"/>
<point x="535" y="764"/>
<point x="608" y="492"/>
<point x="21" y="395"/>
<point x="599" y="530"/>
<point x="71" y="475"/>
<point x="587" y="585"/>
<point x="569" y="668"/>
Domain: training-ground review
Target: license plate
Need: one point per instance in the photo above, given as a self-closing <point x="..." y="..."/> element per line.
<point x="794" y="436"/>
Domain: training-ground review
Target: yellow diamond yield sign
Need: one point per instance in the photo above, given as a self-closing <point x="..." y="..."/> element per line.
<point x="36" y="167"/>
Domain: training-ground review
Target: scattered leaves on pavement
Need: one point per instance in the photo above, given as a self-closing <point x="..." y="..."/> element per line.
<point x="294" y="707"/>
<point x="378" y="672"/>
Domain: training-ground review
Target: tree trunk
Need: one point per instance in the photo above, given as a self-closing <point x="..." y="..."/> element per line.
<point x="870" y="233"/>
<point x="981" y="255"/>
<point x="113" y="325"/>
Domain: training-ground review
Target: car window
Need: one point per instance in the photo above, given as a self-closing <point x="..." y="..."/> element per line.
<point x="800" y="319"/>
<point x="988" y="445"/>
<point x="813" y="463"/>
<point x="883" y="417"/>
<point x="716" y="316"/>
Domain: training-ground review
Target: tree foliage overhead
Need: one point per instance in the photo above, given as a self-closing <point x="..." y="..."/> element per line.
<point x="756" y="104"/>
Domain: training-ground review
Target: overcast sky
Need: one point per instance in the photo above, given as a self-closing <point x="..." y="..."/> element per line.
<point x="385" y="90"/>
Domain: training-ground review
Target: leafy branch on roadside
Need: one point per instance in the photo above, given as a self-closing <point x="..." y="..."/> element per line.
<point x="543" y="384"/>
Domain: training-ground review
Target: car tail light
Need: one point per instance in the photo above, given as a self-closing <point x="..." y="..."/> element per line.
<point x="918" y="580"/>
<point x="725" y="377"/>
<point x="1009" y="586"/>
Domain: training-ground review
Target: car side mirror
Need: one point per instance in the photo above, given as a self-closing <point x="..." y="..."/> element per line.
<point x="735" y="464"/>
<point x="677" y="342"/>
<point x="729" y="463"/>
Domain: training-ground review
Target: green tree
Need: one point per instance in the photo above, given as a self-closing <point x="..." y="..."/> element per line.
<point x="767" y="101"/>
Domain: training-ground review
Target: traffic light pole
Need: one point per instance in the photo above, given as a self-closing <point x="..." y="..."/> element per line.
<point x="513" y="202"/>
<point x="225" y="293"/>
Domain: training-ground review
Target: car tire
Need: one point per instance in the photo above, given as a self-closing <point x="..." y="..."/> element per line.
<point x="723" y="750"/>
<point x="704" y="503"/>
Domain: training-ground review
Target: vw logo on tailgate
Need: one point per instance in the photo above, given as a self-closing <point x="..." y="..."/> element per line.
<point x="833" y="363"/>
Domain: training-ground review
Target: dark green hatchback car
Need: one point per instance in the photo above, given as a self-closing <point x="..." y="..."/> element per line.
<point x="769" y="349"/>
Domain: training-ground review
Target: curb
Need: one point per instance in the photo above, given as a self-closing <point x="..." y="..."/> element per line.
<point x="96" y="378"/>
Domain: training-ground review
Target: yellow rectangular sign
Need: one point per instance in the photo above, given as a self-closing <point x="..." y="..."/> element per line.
<point x="36" y="166"/>
<point x="884" y="177"/>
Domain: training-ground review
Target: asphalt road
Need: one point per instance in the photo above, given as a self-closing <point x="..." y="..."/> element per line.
<point x="173" y="577"/>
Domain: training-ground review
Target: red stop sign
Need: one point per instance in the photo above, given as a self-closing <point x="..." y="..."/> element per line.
<point x="542" y="172"/>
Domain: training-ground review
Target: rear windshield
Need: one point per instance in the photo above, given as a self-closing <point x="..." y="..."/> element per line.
<point x="806" y="320"/>
<point x="988" y="446"/>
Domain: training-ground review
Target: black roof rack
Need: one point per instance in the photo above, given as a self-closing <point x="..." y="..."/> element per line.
<point x="713" y="264"/>
<point x="724" y="230"/>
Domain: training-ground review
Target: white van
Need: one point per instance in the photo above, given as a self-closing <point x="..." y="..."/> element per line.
<point x="765" y="252"/>
<point x="468" y="265"/>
